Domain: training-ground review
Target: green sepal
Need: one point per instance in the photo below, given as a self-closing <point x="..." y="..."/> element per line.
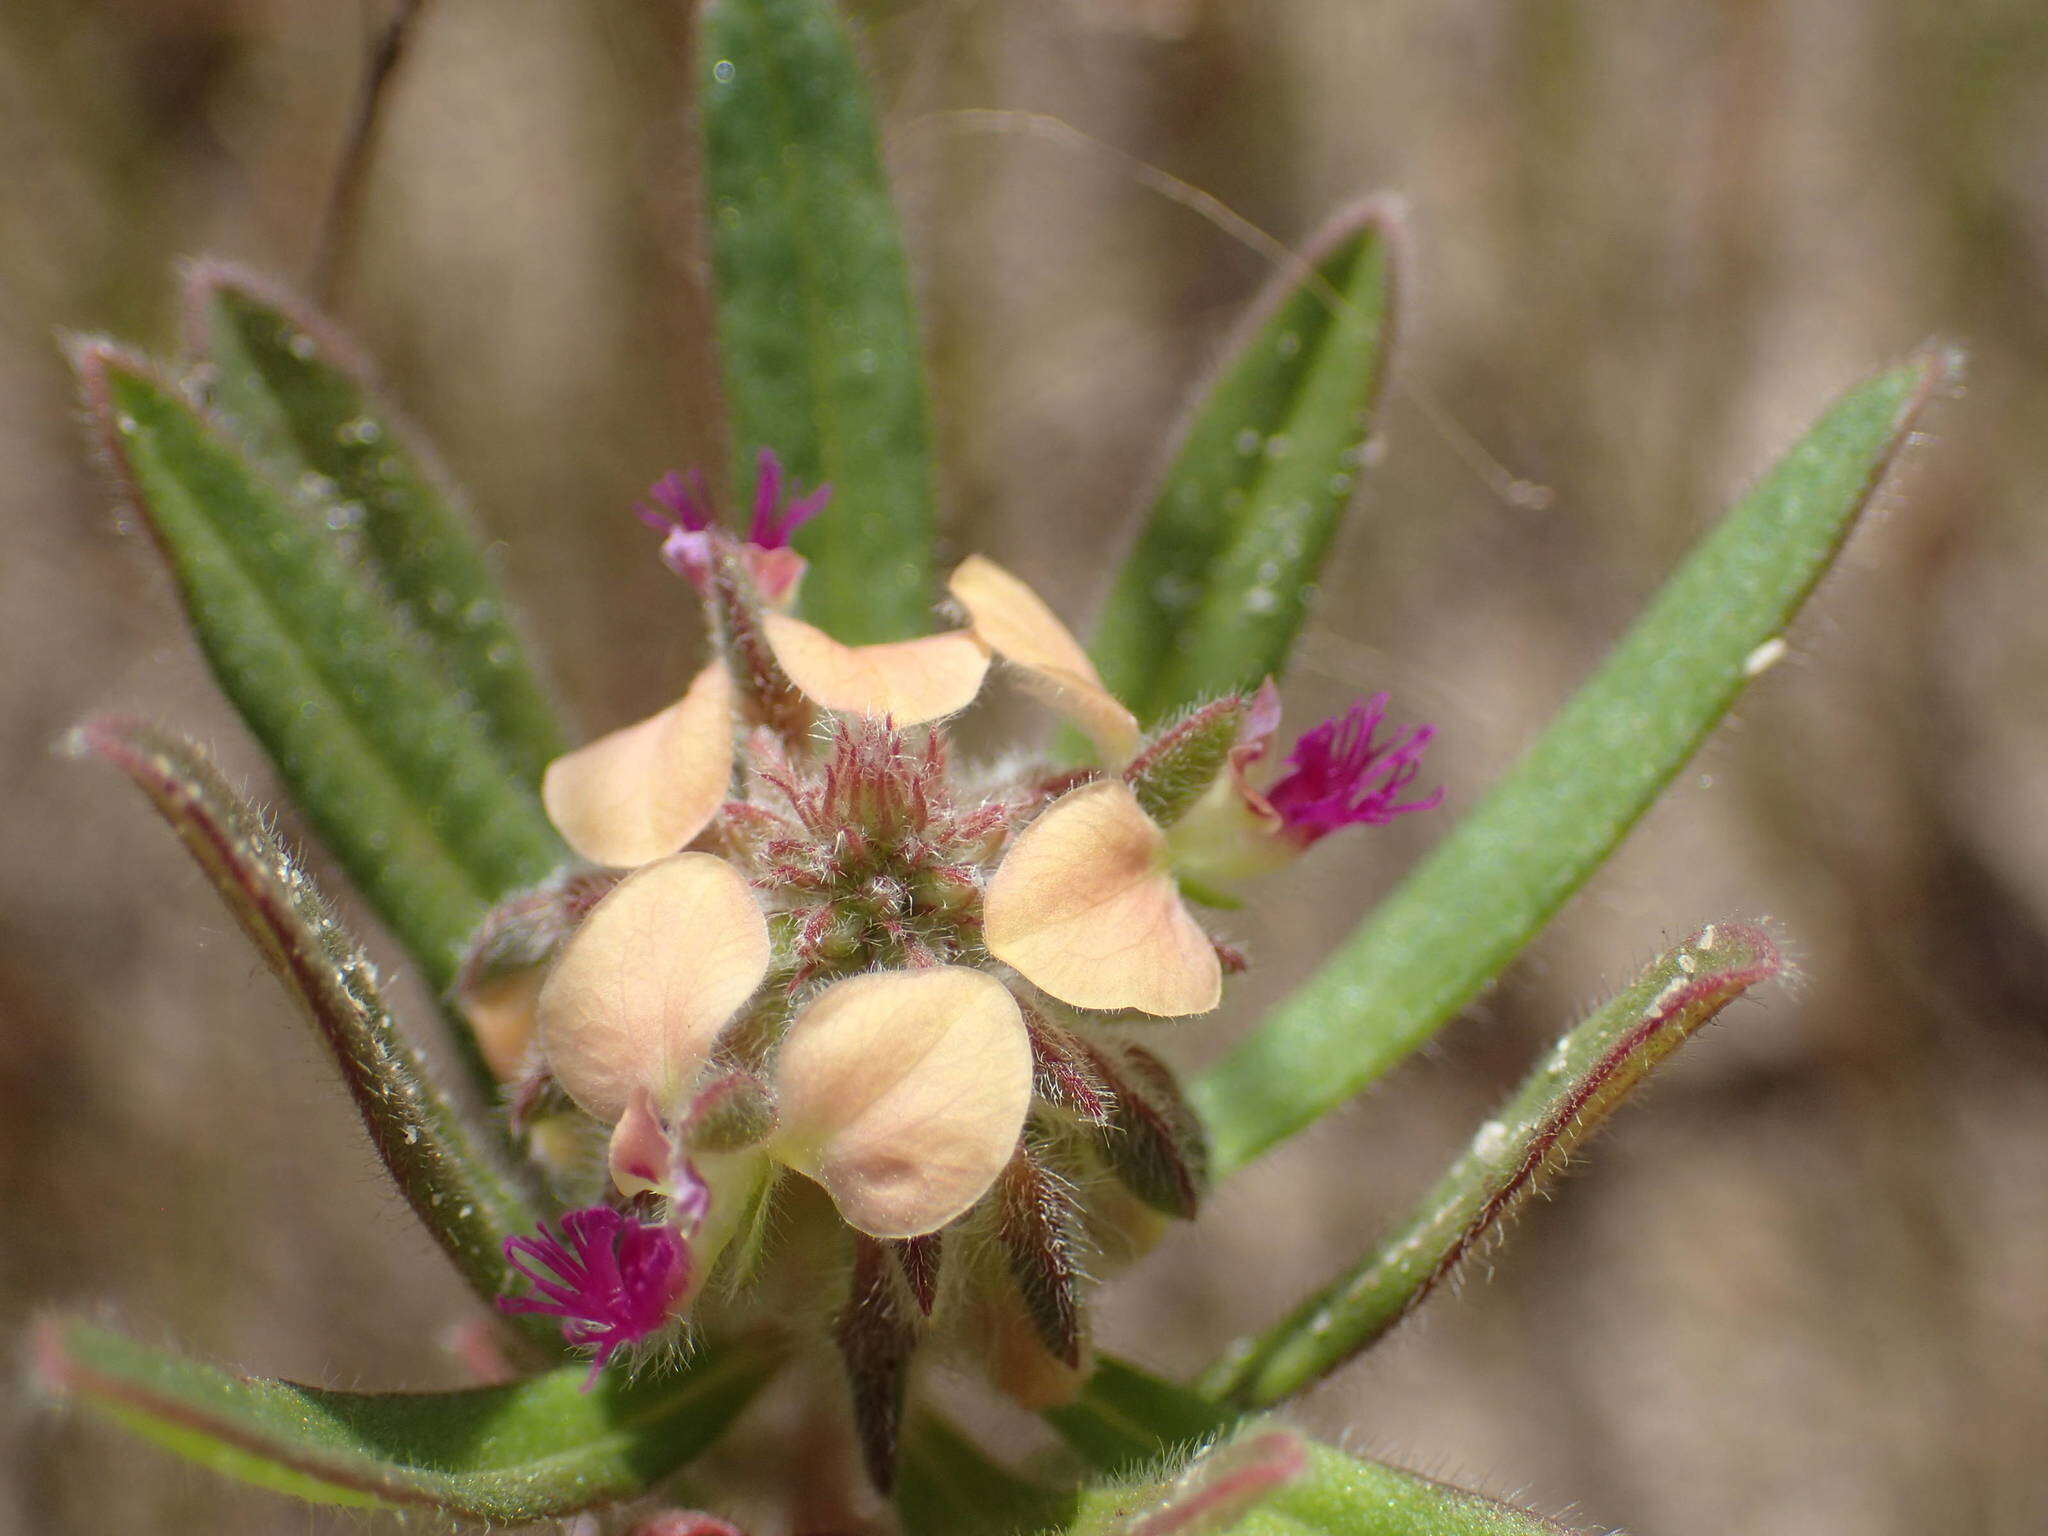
<point x="1214" y="593"/>
<point x="1520" y="1149"/>
<point x="453" y="1174"/>
<point x="537" y="1448"/>
<point x="401" y="781"/>
<point x="307" y="412"/>
<point x="1489" y="887"/>
<point x="1179" y="764"/>
<point x="816" y="335"/>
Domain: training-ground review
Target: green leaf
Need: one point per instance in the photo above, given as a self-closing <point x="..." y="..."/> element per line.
<point x="1214" y="593"/>
<point x="1344" y="1495"/>
<point x="1328" y="1494"/>
<point x="1125" y="1418"/>
<point x="1250" y="1478"/>
<point x="455" y="1178"/>
<point x="309" y="415"/>
<point x="815" y="329"/>
<point x="537" y="1448"/>
<point x="1490" y="886"/>
<point x="402" y="783"/>
<point x="946" y="1485"/>
<point x="1542" y="1126"/>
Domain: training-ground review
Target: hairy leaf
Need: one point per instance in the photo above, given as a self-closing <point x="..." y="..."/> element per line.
<point x="1555" y="1111"/>
<point x="309" y="414"/>
<point x="1126" y="1418"/>
<point x="1150" y="1438"/>
<point x="400" y="780"/>
<point x="1490" y="886"/>
<point x="946" y="1485"/>
<point x="537" y="1448"/>
<point x="1272" y="1482"/>
<point x="455" y="1178"/>
<point x="815" y="330"/>
<point x="1215" y="592"/>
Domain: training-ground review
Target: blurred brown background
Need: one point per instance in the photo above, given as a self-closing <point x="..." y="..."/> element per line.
<point x="1801" y="1292"/>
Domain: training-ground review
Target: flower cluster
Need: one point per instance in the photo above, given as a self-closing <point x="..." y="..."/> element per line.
<point x="806" y="943"/>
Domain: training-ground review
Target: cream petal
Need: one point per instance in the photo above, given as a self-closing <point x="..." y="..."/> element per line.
<point x="500" y="1013"/>
<point x="904" y="1093"/>
<point x="648" y="981"/>
<point x="645" y="790"/>
<point x="777" y="573"/>
<point x="909" y="681"/>
<point x="640" y="1152"/>
<point x="1014" y="622"/>
<point x="1085" y="906"/>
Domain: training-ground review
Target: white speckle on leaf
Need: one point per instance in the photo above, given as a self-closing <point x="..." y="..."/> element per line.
<point x="1764" y="657"/>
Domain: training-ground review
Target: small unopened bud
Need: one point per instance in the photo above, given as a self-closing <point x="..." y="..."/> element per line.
<point x="1181" y="762"/>
<point x="730" y="1114"/>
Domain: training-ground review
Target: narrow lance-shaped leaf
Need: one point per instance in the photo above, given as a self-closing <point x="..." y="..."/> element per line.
<point x="1555" y="1111"/>
<point x="538" y="1448"/>
<point x="1490" y="886"/>
<point x="1258" y="1480"/>
<point x="308" y="413"/>
<point x="1214" y="593"/>
<point x="400" y="781"/>
<point x="946" y="1485"/>
<point x="815" y="330"/>
<point x="1342" y="1495"/>
<point x="454" y="1178"/>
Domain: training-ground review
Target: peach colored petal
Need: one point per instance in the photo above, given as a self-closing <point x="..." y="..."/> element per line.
<point x="1084" y="906"/>
<point x="644" y="791"/>
<point x="648" y="981"/>
<point x="500" y="1014"/>
<point x="640" y="1151"/>
<point x="910" y="681"/>
<point x="904" y="1093"/>
<point x="777" y="573"/>
<point x="1014" y="622"/>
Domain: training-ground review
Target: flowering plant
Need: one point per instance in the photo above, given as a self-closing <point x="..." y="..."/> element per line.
<point x="802" y="1037"/>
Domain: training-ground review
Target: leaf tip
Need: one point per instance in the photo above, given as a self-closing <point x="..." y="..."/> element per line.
<point x="109" y="737"/>
<point x="95" y="360"/>
<point x="206" y="280"/>
<point x="52" y="1373"/>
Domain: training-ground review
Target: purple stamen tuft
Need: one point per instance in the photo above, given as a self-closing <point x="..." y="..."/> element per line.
<point x="679" y="508"/>
<point x="611" y="1279"/>
<point x="1342" y="777"/>
<point x="774" y="524"/>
